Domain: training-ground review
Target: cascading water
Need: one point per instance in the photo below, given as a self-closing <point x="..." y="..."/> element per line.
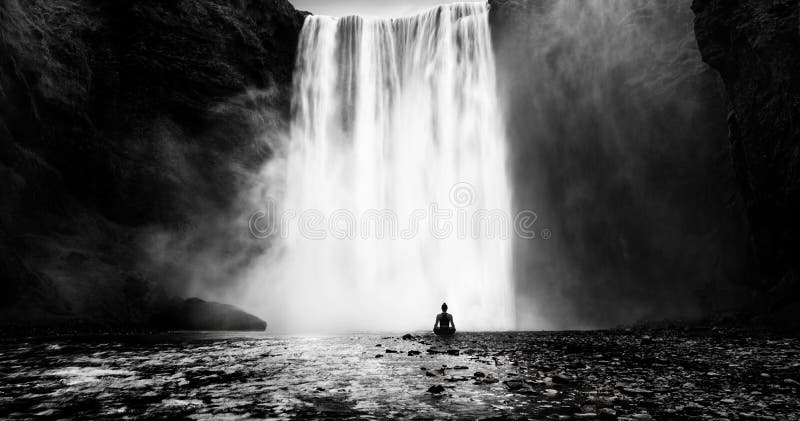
<point x="395" y="120"/>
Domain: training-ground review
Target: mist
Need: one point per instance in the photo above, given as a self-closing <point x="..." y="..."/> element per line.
<point x="615" y="137"/>
<point x="388" y="122"/>
<point x="619" y="143"/>
<point x="209" y="253"/>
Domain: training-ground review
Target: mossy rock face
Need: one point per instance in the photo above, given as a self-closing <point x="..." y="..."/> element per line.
<point x="122" y="118"/>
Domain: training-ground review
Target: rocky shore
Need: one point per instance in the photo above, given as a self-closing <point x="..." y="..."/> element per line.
<point x="678" y="373"/>
<point x="632" y="374"/>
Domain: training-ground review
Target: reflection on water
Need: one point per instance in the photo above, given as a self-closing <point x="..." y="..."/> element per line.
<point x="665" y="374"/>
<point x="233" y="375"/>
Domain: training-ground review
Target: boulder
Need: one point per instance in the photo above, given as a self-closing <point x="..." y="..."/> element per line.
<point x="196" y="314"/>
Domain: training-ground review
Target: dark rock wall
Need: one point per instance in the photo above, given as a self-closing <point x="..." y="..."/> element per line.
<point x="755" y="47"/>
<point x="619" y="145"/>
<point x="119" y="116"/>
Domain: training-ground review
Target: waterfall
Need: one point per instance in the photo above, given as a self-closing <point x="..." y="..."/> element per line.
<point x="395" y="120"/>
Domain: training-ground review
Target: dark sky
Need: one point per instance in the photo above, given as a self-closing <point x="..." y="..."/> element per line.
<point x="384" y="8"/>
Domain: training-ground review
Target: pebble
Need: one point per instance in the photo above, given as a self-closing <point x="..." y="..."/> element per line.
<point x="561" y="379"/>
<point x="514" y="384"/>
<point x="637" y="391"/>
<point x="607" y="414"/>
<point x="436" y="389"/>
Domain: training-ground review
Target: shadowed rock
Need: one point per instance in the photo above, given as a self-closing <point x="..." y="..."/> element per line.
<point x="196" y="314"/>
<point x="754" y="47"/>
<point x="117" y="118"/>
<point x="436" y="389"/>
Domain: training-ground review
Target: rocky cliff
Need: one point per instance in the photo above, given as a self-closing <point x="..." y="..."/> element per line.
<point x="755" y="47"/>
<point x="118" y="117"/>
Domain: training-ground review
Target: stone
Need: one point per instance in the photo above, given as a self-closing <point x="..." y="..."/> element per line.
<point x="607" y="414"/>
<point x="637" y="391"/>
<point x="437" y="389"/>
<point x="514" y="384"/>
<point x="561" y="379"/>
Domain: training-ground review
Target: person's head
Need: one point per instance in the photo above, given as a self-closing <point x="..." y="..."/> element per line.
<point x="444" y="307"/>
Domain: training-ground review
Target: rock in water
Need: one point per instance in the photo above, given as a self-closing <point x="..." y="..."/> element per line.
<point x="196" y="314"/>
<point x="436" y="389"/>
<point x="561" y="379"/>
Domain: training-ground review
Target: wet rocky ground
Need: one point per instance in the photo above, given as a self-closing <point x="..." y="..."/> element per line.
<point x="622" y="374"/>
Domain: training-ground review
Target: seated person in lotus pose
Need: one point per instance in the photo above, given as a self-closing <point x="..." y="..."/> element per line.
<point x="444" y="323"/>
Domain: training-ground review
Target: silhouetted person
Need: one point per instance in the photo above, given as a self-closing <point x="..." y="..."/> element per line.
<point x="444" y="322"/>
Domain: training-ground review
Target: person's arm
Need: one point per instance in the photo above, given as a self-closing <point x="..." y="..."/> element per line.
<point x="452" y="323"/>
<point x="436" y="323"/>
